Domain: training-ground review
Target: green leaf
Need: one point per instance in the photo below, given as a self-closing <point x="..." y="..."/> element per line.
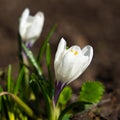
<point x="1" y="104"/>
<point x="65" y="95"/>
<point x="66" y="117"/>
<point x="34" y="87"/>
<point x="20" y="50"/>
<point x="45" y="95"/>
<point x="9" y="79"/>
<point x="32" y="60"/>
<point x="18" y="82"/>
<point x="48" y="55"/>
<point x="91" y="91"/>
<point x="48" y="62"/>
<point x="43" y="47"/>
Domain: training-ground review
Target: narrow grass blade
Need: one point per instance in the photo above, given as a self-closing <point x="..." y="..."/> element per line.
<point x="32" y="60"/>
<point x="20" y="50"/>
<point x="9" y="79"/>
<point x="48" y="55"/>
<point x="18" y="82"/>
<point x="1" y="99"/>
<point x="43" y="47"/>
<point x="48" y="62"/>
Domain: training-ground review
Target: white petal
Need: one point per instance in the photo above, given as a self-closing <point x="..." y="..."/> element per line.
<point x="86" y="60"/>
<point x="23" y="22"/>
<point x="88" y="51"/>
<point x="78" y="67"/>
<point x="58" y="58"/>
<point x="61" y="48"/>
<point x="35" y="29"/>
<point x="65" y="67"/>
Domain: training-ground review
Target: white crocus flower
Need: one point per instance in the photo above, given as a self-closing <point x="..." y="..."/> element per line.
<point x="70" y="63"/>
<point x="30" y="27"/>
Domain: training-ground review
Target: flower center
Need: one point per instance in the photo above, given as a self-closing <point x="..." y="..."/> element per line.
<point x="74" y="52"/>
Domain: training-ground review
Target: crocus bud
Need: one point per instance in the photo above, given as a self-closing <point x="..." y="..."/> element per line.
<point x="70" y="63"/>
<point x="30" y="27"/>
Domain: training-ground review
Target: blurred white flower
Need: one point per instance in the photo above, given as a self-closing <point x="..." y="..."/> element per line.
<point x="30" y="27"/>
<point x="70" y="63"/>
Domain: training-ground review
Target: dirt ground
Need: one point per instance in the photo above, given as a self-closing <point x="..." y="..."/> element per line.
<point x="94" y="22"/>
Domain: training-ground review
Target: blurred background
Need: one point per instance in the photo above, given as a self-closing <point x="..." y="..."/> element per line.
<point x="93" y="22"/>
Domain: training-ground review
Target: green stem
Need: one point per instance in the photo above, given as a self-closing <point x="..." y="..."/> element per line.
<point x="55" y="111"/>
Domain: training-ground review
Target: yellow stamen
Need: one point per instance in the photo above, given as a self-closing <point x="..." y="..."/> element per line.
<point x="74" y="52"/>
